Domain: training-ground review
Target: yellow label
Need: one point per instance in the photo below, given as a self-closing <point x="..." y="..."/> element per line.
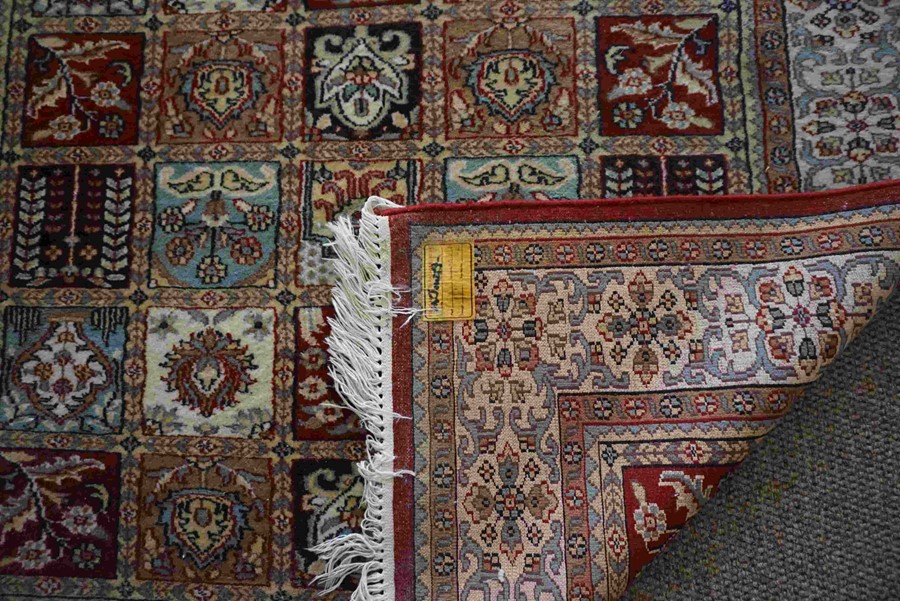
<point x="448" y="281"/>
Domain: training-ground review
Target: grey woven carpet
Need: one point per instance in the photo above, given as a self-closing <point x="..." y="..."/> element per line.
<point x="814" y="513"/>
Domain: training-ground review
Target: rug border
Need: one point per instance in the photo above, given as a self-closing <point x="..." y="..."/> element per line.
<point x="401" y="219"/>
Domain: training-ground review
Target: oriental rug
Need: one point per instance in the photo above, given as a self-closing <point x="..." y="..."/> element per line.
<point x="168" y="171"/>
<point x="576" y="378"/>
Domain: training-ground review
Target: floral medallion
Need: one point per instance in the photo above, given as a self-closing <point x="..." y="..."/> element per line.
<point x="208" y="370"/>
<point x="363" y="82"/>
<point x="510" y="75"/>
<point x="205" y="517"/>
<point x="222" y="87"/>
<point x="82" y="89"/>
<point x="203" y="524"/>
<point x="62" y="369"/>
<point x="60" y="513"/>
<point x="209" y="373"/>
<point x="220" y="91"/>
<point x="511" y="83"/>
<point x="216" y="225"/>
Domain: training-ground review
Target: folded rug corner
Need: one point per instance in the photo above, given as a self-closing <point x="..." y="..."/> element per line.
<point x="553" y="389"/>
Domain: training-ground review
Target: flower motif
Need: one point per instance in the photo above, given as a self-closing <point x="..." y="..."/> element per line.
<point x="859" y="150"/>
<point x="634" y="81"/>
<point x="171" y="219"/>
<point x="65" y="127"/>
<point x="845" y="25"/>
<point x="643" y="325"/>
<point x="88" y="252"/>
<point x="799" y="318"/>
<point x="259" y="325"/>
<point x="33" y="555"/>
<point x="80" y="519"/>
<point x="215" y="214"/>
<point x="259" y="218"/>
<point x="509" y="502"/>
<point x="627" y="115"/>
<point x="506" y="331"/>
<point x="111" y="126"/>
<point x="650" y="521"/>
<point x="854" y="101"/>
<point x="677" y="115"/>
<point x="86" y="556"/>
<point x="211" y="270"/>
<point x="246" y="250"/>
<point x="312" y="388"/>
<point x="180" y="251"/>
<point x="312" y="358"/>
<point x="53" y="252"/>
<point x="162" y="324"/>
<point x="105" y="94"/>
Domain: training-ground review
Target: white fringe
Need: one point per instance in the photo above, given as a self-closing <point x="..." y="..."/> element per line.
<point x="360" y="352"/>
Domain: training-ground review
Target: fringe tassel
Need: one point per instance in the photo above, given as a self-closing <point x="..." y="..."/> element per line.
<point x="359" y="346"/>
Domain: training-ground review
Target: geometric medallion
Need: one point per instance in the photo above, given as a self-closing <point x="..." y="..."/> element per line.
<point x="209" y="372"/>
<point x="62" y="369"/>
<point x="205" y="518"/>
<point x="363" y="82"/>
<point x="221" y="88"/>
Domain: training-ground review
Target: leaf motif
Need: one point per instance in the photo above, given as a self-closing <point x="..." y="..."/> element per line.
<point x="234" y="181"/>
<point x="692" y="24"/>
<point x="701" y="121"/>
<point x="199" y="183"/>
<point x="47" y="94"/>
<point x="613" y="56"/>
<point x="50" y="42"/>
<point x="697" y="79"/>
<point x="639" y="493"/>
<point x="14" y="518"/>
<point x="60" y="469"/>
<point x="689" y="492"/>
<point x="653" y="35"/>
<point x="17" y="457"/>
<point x="498" y="174"/>
<point x="532" y="175"/>
<point x="655" y="62"/>
<point x="101" y="494"/>
<point x="91" y="50"/>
